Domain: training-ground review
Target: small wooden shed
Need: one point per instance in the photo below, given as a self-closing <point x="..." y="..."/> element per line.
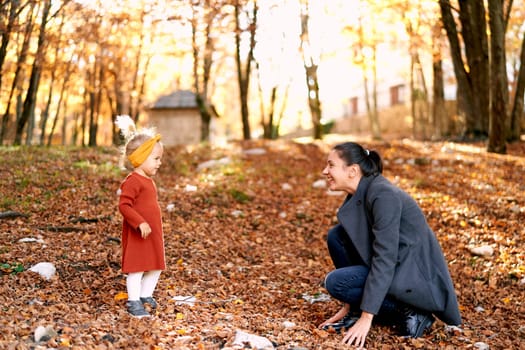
<point x="176" y="117"/>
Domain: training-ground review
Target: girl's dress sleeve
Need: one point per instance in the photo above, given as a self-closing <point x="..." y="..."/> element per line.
<point x="130" y="189"/>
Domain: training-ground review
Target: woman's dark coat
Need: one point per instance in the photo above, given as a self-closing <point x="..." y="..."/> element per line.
<point x="392" y="237"/>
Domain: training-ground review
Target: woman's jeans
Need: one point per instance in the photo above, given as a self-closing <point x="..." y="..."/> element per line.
<point x="347" y="281"/>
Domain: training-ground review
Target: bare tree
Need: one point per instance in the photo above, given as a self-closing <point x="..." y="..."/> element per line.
<point x="246" y="12"/>
<point x="441" y="122"/>
<point x="482" y="80"/>
<point x="311" y="65"/>
<point x="16" y="87"/>
<point x="472" y="75"/>
<point x="54" y="72"/>
<point x="12" y="9"/>
<point x="498" y="79"/>
<point x="204" y="26"/>
<point x="34" y="80"/>
<point x="516" y="116"/>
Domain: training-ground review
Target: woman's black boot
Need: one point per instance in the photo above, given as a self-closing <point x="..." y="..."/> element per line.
<point x="413" y="322"/>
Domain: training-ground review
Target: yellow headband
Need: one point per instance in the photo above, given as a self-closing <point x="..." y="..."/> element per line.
<point x="138" y="156"/>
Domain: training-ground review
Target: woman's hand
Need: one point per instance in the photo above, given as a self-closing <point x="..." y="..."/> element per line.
<point x="144" y="229"/>
<point x="339" y="315"/>
<point x="356" y="335"/>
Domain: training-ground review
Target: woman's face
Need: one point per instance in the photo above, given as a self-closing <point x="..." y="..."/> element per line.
<point x="341" y="177"/>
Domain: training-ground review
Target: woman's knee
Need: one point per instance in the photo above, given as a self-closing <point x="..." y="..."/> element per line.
<point x="333" y="282"/>
<point x="329" y="282"/>
<point x="346" y="280"/>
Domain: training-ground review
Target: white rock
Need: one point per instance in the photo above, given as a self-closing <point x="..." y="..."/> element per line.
<point x="515" y="209"/>
<point x="207" y="164"/>
<point x="286" y="187"/>
<point x="31" y="240"/>
<point x="282" y="214"/>
<point x="237" y="213"/>
<point x="288" y="324"/>
<point x="319" y="184"/>
<point x="184" y="300"/>
<point x="170" y="207"/>
<point x="453" y="329"/>
<point x="255" y="341"/>
<point x="213" y="163"/>
<point x="255" y="151"/>
<point x="479" y="309"/>
<point x="320" y="297"/>
<point x="482" y="346"/>
<point x="44" y="269"/>
<point x="484" y="250"/>
<point x="41" y="332"/>
<point x="190" y="188"/>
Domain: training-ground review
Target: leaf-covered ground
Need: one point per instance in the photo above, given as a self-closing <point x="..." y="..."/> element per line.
<point x="248" y="244"/>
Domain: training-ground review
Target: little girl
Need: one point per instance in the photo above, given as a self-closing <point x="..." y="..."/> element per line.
<point x="142" y="237"/>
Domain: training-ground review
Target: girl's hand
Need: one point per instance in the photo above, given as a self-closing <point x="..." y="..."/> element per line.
<point x="356" y="335"/>
<point x="144" y="229"/>
<point x="339" y="315"/>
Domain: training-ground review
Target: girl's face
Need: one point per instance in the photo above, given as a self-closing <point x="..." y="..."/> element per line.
<point x="152" y="164"/>
<point x="341" y="177"/>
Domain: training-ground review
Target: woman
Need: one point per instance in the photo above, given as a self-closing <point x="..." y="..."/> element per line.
<point x="388" y="261"/>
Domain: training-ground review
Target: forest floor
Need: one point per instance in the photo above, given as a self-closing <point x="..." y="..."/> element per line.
<point x="245" y="237"/>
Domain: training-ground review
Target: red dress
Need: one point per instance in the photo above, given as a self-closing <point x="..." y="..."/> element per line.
<point x="138" y="203"/>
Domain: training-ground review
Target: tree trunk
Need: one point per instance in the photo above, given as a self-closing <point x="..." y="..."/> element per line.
<point x="312" y="81"/>
<point x="439" y="112"/>
<point x="6" y="31"/>
<point x="34" y="80"/>
<point x="205" y="118"/>
<point x="468" y="99"/>
<point x="21" y="59"/>
<point x="243" y="76"/>
<point x="45" y="113"/>
<point x="499" y="82"/>
<point x="474" y="31"/>
<point x="517" y="106"/>
<point x="413" y="98"/>
<point x="67" y="75"/>
<point x="314" y="102"/>
<point x="375" y="126"/>
<point x="371" y="108"/>
<point x="201" y="85"/>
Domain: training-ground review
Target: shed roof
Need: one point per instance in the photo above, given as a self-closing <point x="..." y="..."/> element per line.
<point x="177" y="99"/>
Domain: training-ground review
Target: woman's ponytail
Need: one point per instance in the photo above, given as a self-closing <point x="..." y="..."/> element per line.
<point x="368" y="160"/>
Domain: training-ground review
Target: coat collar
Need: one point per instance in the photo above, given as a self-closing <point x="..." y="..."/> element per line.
<point x="359" y="196"/>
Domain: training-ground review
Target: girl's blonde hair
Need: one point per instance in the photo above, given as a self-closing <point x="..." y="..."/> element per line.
<point x="132" y="138"/>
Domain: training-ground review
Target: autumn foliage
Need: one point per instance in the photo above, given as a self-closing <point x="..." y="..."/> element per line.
<point x="245" y="238"/>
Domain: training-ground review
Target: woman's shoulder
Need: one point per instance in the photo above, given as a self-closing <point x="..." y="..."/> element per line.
<point x="381" y="185"/>
<point x="381" y="182"/>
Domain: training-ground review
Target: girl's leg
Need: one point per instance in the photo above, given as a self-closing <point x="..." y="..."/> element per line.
<point x="149" y="282"/>
<point x="133" y="284"/>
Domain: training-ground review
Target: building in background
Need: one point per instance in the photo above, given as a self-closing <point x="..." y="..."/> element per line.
<point x="176" y="116"/>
